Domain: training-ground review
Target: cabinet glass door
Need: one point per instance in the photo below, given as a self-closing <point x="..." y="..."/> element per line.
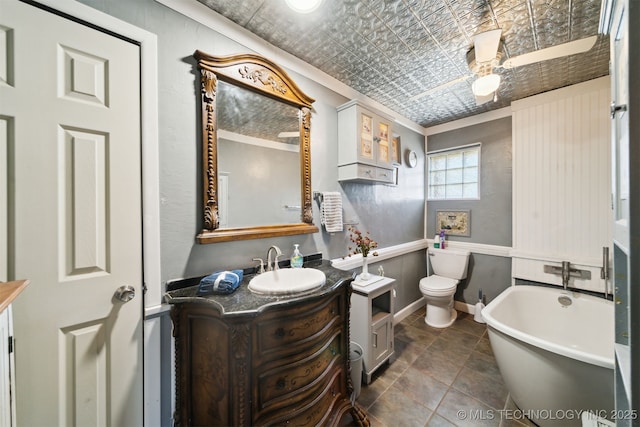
<point x="383" y="143"/>
<point x="366" y="137"/>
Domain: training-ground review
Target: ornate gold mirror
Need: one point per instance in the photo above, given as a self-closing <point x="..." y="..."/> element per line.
<point x="256" y="157"/>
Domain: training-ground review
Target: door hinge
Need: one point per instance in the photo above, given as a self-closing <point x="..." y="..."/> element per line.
<point x="10" y="345"/>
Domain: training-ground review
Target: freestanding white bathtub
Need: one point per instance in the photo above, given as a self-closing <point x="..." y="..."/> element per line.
<point x="556" y="360"/>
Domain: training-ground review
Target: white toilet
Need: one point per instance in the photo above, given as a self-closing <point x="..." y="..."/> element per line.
<point x="449" y="267"/>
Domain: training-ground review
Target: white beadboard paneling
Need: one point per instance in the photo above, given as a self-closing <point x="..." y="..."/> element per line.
<point x="562" y="180"/>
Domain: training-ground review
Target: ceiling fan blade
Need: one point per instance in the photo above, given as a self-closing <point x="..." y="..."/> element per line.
<point x="564" y="49"/>
<point x="486" y="45"/>
<point x="440" y="87"/>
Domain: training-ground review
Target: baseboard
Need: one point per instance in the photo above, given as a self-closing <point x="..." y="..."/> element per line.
<point x="405" y="312"/>
<point x="463" y="306"/>
<point x="418" y="304"/>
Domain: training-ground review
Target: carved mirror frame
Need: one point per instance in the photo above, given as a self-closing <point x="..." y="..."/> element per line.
<point x="262" y="76"/>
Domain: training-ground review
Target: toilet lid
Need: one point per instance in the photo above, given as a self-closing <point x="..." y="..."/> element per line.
<point x="438" y="285"/>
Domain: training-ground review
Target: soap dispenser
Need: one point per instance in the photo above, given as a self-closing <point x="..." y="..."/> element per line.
<point x="296" y="258"/>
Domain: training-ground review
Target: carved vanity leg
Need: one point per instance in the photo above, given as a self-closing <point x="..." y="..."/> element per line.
<point x="359" y="416"/>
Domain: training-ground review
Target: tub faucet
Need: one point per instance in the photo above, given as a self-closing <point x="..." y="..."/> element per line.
<point x="275" y="261"/>
<point x="566" y="273"/>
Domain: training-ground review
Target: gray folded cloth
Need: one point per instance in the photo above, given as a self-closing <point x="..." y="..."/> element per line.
<point x="221" y="282"/>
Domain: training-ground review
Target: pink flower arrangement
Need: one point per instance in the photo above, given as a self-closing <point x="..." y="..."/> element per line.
<point x="363" y="243"/>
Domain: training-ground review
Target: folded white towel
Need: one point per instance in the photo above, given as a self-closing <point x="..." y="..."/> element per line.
<point x="331" y="211"/>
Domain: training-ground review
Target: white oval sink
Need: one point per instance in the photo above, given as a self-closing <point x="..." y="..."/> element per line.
<point x="287" y="281"/>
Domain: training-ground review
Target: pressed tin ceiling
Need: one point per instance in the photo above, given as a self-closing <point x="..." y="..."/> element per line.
<point x="394" y="50"/>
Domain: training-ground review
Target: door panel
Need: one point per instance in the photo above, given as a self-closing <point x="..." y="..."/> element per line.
<point x="75" y="203"/>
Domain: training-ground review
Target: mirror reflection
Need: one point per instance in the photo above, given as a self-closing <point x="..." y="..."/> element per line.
<point x="258" y="159"/>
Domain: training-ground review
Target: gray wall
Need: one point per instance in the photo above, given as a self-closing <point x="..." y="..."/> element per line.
<point x="491" y="215"/>
<point x="392" y="214"/>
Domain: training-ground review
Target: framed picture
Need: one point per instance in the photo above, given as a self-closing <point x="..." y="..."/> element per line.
<point x="454" y="223"/>
<point x="396" y="158"/>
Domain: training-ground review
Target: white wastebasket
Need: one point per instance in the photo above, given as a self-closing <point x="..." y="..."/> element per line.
<point x="355" y="357"/>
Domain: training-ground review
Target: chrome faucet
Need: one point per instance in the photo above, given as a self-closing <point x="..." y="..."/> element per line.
<point x="275" y="261"/>
<point x="566" y="271"/>
<point x="261" y="265"/>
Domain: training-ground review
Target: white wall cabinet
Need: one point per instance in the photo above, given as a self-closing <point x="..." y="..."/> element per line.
<point x="364" y="145"/>
<point x="372" y="321"/>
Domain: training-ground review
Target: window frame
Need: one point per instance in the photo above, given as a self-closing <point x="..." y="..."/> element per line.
<point x="461" y="149"/>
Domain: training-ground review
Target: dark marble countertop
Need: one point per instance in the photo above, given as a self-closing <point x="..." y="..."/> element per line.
<point x="245" y="302"/>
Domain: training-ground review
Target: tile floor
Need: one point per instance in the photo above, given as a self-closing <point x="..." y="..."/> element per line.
<point x="440" y="377"/>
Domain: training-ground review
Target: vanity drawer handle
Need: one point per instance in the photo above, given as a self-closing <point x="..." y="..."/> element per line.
<point x="280" y="332"/>
<point x="280" y="384"/>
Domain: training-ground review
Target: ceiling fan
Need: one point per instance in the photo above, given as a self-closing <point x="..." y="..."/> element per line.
<point x="486" y="56"/>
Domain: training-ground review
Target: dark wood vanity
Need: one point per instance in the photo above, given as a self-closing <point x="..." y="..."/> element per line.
<point x="253" y="360"/>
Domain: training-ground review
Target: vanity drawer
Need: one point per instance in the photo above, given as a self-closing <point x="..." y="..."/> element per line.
<point x="292" y="382"/>
<point x="281" y="334"/>
<point x="322" y="410"/>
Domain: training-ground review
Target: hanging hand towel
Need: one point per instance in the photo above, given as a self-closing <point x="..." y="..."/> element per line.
<point x="222" y="282"/>
<point x="331" y="211"/>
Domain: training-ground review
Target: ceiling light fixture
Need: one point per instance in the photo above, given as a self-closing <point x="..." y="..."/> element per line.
<point x="485" y="85"/>
<point x="303" y="6"/>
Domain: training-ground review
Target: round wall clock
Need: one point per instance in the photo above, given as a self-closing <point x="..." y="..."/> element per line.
<point x="412" y="158"/>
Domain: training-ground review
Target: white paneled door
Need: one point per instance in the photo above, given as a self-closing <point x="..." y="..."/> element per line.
<point x="70" y="104"/>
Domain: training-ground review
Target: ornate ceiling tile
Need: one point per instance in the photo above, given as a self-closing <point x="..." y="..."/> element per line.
<point x="392" y="50"/>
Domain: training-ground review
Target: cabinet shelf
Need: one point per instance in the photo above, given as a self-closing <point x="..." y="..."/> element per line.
<point x="379" y="316"/>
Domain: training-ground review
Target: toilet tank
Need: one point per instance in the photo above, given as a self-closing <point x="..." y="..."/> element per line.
<point x="450" y="263"/>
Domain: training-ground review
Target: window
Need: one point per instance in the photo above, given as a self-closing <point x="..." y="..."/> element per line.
<point x="454" y="173"/>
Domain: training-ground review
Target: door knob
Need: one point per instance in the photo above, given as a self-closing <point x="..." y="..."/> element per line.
<point x="125" y="293"/>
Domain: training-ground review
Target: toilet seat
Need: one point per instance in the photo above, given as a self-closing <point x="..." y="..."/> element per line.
<point x="435" y="285"/>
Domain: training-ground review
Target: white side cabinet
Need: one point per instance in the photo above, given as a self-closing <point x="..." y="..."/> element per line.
<point x="364" y="145"/>
<point x="9" y="291"/>
<point x="372" y="321"/>
<point x="7" y="382"/>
